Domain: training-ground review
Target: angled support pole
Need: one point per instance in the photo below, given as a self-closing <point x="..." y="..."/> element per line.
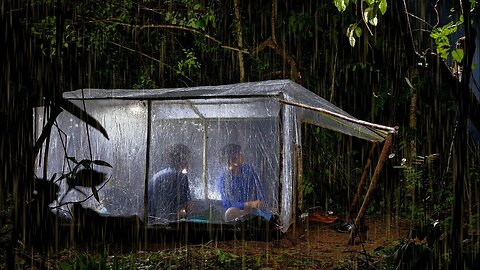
<point x="361" y="183"/>
<point x="371" y="188"/>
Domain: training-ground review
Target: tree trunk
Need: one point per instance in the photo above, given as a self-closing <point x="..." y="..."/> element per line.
<point x="238" y="19"/>
<point x="460" y="162"/>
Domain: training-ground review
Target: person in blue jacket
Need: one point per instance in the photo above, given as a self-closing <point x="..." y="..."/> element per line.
<point x="239" y="185"/>
<point x="168" y="191"/>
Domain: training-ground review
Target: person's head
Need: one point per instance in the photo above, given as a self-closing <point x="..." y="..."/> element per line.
<point x="232" y="154"/>
<point x="179" y="156"/>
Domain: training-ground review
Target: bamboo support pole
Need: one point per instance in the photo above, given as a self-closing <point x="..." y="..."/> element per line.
<point x="204" y="158"/>
<point x="361" y="183"/>
<point x="371" y="188"/>
<point x="341" y="116"/>
<point x="204" y="147"/>
<point x="295" y="185"/>
<point x="300" y="177"/>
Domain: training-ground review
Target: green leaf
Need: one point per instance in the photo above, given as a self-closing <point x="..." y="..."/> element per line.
<point x="168" y="16"/>
<point x="65" y="266"/>
<point x="457" y="55"/>
<point x="358" y="32"/>
<point x="95" y="193"/>
<point x="370" y="15"/>
<point x="341" y="4"/>
<point x="366" y="13"/>
<point x="383" y="6"/>
<point x="102" y="163"/>
<point x="350" y="31"/>
<point x="86" y="163"/>
<point x="352" y="41"/>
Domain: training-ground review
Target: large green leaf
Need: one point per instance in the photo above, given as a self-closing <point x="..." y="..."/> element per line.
<point x="383" y="6"/>
<point x="341" y="4"/>
<point x="457" y="55"/>
<point x="370" y="15"/>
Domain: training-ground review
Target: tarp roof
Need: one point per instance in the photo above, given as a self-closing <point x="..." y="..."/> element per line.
<point x="314" y="109"/>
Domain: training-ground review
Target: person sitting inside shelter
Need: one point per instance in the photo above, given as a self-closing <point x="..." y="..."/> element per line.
<point x="168" y="191"/>
<point x="239" y="185"/>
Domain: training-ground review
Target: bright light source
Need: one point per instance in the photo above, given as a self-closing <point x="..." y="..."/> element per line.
<point x="135" y="108"/>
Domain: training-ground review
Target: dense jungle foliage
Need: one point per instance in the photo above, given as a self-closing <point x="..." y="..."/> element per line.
<point x="394" y="62"/>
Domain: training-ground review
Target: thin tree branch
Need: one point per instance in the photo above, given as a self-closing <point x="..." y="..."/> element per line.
<point x="410" y="27"/>
<point x="177" y="27"/>
<point x="363" y="18"/>
<point x="272" y="43"/>
<point x="149" y="57"/>
<point x="273" y="20"/>
<point x="282" y="52"/>
<point x="435" y="7"/>
<point x="420" y="19"/>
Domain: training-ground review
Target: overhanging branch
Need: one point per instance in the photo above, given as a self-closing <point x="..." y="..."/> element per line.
<point x="178" y="27"/>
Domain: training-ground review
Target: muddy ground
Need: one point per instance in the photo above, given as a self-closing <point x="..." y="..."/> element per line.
<point x="307" y="245"/>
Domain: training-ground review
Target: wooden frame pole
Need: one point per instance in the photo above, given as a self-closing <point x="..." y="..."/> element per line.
<point x="371" y="188"/>
<point x="361" y="183"/>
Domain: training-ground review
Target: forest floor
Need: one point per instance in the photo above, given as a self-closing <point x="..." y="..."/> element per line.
<point x="313" y="246"/>
<point x="305" y="246"/>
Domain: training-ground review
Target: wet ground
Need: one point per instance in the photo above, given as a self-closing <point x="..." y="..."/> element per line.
<point x="323" y="246"/>
<point x="309" y="245"/>
<point x="305" y="246"/>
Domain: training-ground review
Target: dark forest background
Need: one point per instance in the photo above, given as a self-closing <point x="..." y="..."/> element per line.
<point x="398" y="63"/>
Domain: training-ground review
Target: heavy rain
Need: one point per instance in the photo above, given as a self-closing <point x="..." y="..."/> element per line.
<point x="331" y="134"/>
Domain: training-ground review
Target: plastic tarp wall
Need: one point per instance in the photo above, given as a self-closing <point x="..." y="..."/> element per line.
<point x="290" y="130"/>
<point x="125" y="122"/>
<point x="204" y="126"/>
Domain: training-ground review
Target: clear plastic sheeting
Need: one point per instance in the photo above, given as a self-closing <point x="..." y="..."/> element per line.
<point x="125" y="123"/>
<point x="209" y="149"/>
<point x="205" y="128"/>
<point x="281" y="89"/>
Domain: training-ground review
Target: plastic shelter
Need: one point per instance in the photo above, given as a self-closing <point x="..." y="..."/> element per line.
<point x="264" y="118"/>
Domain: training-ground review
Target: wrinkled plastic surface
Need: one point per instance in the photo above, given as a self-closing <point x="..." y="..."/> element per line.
<point x="122" y="193"/>
<point x="283" y="89"/>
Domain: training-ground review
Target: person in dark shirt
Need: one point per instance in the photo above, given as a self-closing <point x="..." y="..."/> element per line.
<point x="239" y="185"/>
<point x="168" y="191"/>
